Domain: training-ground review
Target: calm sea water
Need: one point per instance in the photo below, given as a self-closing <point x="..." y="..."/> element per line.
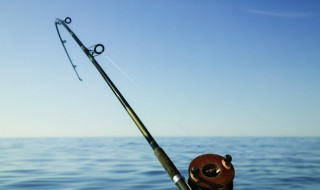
<point x="129" y="163"/>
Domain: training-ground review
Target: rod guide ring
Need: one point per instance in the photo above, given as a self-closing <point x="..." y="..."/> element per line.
<point x="67" y="20"/>
<point x="98" y="49"/>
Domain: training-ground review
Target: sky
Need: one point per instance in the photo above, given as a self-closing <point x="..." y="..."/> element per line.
<point x="187" y="68"/>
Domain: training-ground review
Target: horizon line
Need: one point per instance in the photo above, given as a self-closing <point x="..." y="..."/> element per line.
<point x="174" y="136"/>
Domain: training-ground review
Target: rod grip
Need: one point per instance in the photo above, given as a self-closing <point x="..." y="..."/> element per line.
<point x="170" y="168"/>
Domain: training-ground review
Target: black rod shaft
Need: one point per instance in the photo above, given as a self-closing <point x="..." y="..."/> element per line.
<point x="163" y="158"/>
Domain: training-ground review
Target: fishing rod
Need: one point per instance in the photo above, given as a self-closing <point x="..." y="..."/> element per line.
<point x="206" y="172"/>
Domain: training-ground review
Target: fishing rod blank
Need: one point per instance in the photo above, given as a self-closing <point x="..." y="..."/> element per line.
<point x="206" y="172"/>
<point x="158" y="151"/>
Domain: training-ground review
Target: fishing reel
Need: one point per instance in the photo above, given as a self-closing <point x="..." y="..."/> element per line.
<point x="211" y="172"/>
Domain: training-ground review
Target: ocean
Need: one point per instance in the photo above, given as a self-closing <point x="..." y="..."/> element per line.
<point x="128" y="163"/>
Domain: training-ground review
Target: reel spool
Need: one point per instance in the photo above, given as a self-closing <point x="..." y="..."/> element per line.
<point x="211" y="172"/>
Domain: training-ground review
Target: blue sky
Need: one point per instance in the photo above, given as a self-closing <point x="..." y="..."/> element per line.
<point x="199" y="68"/>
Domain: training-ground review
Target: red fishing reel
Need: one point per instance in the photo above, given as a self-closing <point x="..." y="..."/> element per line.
<point x="211" y="172"/>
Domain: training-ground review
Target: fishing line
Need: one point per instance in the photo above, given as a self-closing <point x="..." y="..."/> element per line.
<point x="63" y="42"/>
<point x="121" y="70"/>
<point x="145" y="92"/>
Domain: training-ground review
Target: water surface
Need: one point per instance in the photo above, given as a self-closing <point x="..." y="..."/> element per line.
<point x="129" y="163"/>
